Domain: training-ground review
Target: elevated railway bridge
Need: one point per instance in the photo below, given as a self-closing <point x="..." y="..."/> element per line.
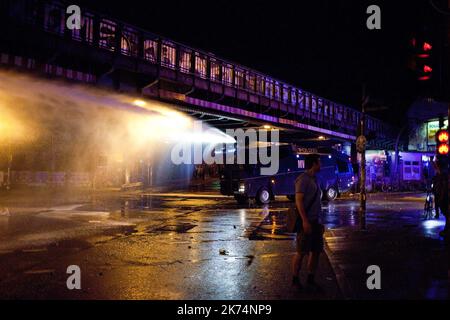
<point x="118" y="56"/>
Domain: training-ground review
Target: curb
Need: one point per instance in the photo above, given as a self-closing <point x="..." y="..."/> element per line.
<point x="342" y="281"/>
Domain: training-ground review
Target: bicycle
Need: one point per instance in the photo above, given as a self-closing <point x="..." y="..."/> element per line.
<point x="428" y="210"/>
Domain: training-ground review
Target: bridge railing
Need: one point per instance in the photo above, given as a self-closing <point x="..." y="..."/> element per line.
<point x="110" y="34"/>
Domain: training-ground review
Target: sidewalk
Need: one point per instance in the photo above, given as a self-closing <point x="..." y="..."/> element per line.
<point x="412" y="258"/>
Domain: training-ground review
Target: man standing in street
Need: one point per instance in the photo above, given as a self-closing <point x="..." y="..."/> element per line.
<point x="310" y="235"/>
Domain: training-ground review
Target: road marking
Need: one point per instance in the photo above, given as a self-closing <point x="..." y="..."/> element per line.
<point x="42" y="271"/>
<point x="34" y="250"/>
<point x="189" y="195"/>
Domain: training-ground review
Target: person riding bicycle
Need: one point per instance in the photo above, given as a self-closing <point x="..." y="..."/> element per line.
<point x="434" y="182"/>
<point x="441" y="193"/>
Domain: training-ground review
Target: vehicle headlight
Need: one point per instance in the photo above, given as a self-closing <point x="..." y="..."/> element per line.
<point x="241" y="188"/>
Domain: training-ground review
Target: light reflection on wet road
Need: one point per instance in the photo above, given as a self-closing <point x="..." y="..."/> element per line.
<point x="149" y="247"/>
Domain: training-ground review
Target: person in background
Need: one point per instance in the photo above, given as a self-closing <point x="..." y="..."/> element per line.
<point x="434" y="190"/>
<point x="440" y="184"/>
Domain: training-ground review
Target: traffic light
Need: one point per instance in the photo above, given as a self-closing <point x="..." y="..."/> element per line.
<point x="442" y="143"/>
<point x="421" y="58"/>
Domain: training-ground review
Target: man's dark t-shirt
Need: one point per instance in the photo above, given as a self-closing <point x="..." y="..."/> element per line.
<point x="308" y="185"/>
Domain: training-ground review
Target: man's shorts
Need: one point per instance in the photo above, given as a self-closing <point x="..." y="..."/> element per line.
<point x="312" y="242"/>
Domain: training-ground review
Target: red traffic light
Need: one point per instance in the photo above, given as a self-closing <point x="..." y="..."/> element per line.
<point x="442" y="136"/>
<point x="427" y="69"/>
<point x="443" y="149"/>
<point x="427" y="46"/>
<point x="424" y="78"/>
<point x="442" y="142"/>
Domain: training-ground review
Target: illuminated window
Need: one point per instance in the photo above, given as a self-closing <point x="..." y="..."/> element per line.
<point x="168" y="55"/>
<point x="251" y="81"/>
<point x="411" y="170"/>
<point x="332" y="109"/>
<point x="227" y="74"/>
<point x="307" y="99"/>
<point x="239" y="78"/>
<point x="215" y="70"/>
<point x="293" y="97"/>
<point x="269" y="88"/>
<point x="150" y="49"/>
<point x="185" y="61"/>
<point x="277" y="90"/>
<point x="129" y="42"/>
<point x="55" y="19"/>
<point x="86" y="33"/>
<point x="339" y="113"/>
<point x="313" y="104"/>
<point x="107" y="38"/>
<point x="319" y="106"/>
<point x="285" y="94"/>
<point x="260" y="83"/>
<point x="200" y="65"/>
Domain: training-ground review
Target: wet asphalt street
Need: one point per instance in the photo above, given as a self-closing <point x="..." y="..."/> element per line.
<point x="204" y="246"/>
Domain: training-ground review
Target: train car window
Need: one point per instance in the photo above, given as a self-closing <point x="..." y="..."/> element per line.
<point x="150" y="49"/>
<point x="129" y="42"/>
<point x="269" y="88"/>
<point x="107" y="38"/>
<point x="313" y="104"/>
<point x="215" y="70"/>
<point x="250" y="81"/>
<point x="293" y="97"/>
<point x="168" y="55"/>
<point x="239" y="78"/>
<point x="185" y="61"/>
<point x="260" y="83"/>
<point x="307" y="101"/>
<point x="319" y="106"/>
<point x="86" y="33"/>
<point x="277" y="90"/>
<point x="301" y="99"/>
<point x="200" y="65"/>
<point x="227" y="74"/>
<point x="285" y="94"/>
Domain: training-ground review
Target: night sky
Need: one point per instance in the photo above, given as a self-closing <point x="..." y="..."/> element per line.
<point x="321" y="46"/>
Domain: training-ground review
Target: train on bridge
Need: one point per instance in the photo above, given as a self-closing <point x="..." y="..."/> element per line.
<point x="110" y="54"/>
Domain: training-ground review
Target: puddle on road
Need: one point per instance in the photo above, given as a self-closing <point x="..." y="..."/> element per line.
<point x="179" y="228"/>
<point x="273" y="227"/>
<point x="76" y="244"/>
